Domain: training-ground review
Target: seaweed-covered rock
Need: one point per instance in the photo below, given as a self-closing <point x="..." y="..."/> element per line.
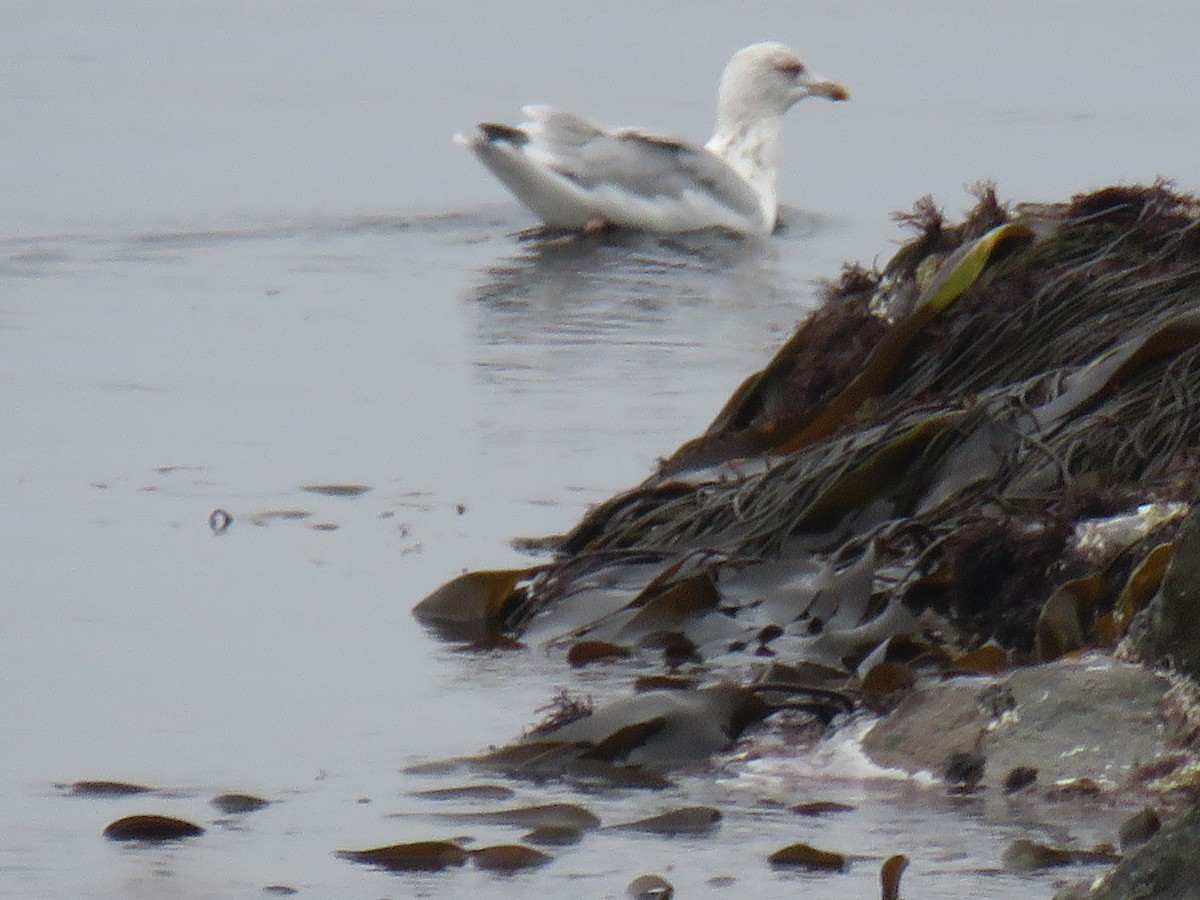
<point x="922" y="471"/>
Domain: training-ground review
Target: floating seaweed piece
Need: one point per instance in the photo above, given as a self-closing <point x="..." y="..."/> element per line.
<point x="337" y="490"/>
<point x="106" y="789"/>
<point x="151" y="829"/>
<point x="267" y="516"/>
<point x="584" y="652"/>
<point x="887" y="680"/>
<point x="693" y="820"/>
<point x="889" y="876"/>
<point x="470" y="606"/>
<point x="417" y="856"/>
<point x="821" y="808"/>
<point x="509" y="858"/>
<point x="546" y="815"/>
<point x="468" y="792"/>
<point x="554" y="836"/>
<point x="234" y="804"/>
<point x="806" y="856"/>
<point x="1024" y="855"/>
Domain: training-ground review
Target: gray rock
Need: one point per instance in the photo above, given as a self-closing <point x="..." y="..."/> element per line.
<point x="1088" y="717"/>
<point x="1163" y="868"/>
<point x="1167" y="631"/>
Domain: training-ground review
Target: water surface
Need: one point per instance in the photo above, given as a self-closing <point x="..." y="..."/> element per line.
<point x="239" y="256"/>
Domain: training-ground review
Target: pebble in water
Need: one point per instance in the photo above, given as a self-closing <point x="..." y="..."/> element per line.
<point x="650" y="887"/>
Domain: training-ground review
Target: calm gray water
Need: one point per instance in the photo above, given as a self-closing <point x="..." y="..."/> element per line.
<point x="239" y="256"/>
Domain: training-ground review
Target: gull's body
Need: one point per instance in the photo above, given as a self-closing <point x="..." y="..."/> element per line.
<point x="576" y="175"/>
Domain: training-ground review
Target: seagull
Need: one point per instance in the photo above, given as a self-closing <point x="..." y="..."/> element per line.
<point x="575" y="175"/>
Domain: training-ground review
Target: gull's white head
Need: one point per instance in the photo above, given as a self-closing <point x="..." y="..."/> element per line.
<point x="764" y="80"/>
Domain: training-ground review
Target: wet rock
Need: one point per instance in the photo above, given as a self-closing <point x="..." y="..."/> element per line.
<point x="650" y="887"/>
<point x="964" y="770"/>
<point x="1086" y="717"/>
<point x="1163" y="868"/>
<point x="236" y="804"/>
<point x="151" y="828"/>
<point x="1138" y="829"/>
<point x="1019" y="778"/>
<point x="1167" y="630"/>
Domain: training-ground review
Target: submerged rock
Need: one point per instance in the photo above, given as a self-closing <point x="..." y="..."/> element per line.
<point x="236" y="804"/>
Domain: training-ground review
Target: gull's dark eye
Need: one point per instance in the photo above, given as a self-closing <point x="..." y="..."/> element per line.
<point x="793" y="68"/>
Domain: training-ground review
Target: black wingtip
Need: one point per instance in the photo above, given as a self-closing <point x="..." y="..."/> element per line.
<point x="495" y="132"/>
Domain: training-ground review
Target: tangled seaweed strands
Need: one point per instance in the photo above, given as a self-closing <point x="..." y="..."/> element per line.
<point x="1097" y="275"/>
<point x="743" y="514"/>
<point x="1136" y="433"/>
<point x="1100" y="283"/>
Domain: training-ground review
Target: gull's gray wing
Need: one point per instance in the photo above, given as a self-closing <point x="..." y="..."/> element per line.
<point x="643" y="165"/>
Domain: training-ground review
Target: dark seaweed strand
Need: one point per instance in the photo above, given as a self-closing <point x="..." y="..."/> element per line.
<point x="1135" y="434"/>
